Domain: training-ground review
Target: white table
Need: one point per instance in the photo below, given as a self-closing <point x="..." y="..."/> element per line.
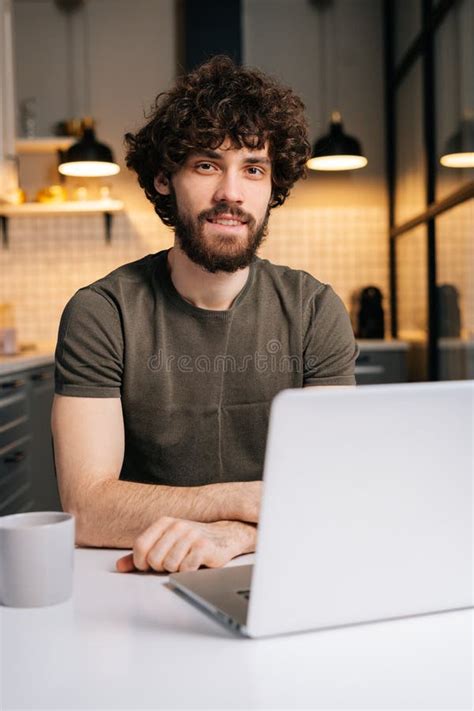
<point x="125" y="641"/>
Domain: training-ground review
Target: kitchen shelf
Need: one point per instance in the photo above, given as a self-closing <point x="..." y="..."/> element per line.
<point x="87" y="207"/>
<point x="61" y="208"/>
<point x="45" y="144"/>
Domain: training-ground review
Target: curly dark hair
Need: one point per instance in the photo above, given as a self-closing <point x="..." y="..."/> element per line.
<point x="220" y="100"/>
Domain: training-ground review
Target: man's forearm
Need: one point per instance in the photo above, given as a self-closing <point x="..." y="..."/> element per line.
<point x="114" y="512"/>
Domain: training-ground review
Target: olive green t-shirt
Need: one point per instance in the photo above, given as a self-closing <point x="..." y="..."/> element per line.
<point x="196" y="385"/>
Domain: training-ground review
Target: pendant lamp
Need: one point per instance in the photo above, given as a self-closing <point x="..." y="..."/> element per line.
<point x="88" y="158"/>
<point x="459" y="149"/>
<point x="336" y="150"/>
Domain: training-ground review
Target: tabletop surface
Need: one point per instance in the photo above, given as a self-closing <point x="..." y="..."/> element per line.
<point x="127" y="641"/>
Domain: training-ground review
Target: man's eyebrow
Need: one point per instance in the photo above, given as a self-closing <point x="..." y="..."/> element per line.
<point x="254" y="159"/>
<point x="215" y="155"/>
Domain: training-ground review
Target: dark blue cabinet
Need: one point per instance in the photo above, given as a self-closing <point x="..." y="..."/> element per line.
<point x="27" y="474"/>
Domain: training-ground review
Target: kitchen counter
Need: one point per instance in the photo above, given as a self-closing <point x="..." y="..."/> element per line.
<point x="126" y="641"/>
<point x="382" y="344"/>
<point x="35" y="357"/>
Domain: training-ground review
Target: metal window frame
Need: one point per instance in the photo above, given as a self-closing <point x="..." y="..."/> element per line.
<point x="422" y="48"/>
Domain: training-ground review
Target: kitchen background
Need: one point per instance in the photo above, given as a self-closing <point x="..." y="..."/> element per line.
<point x="400" y="72"/>
<point x="334" y="228"/>
<point x="109" y="58"/>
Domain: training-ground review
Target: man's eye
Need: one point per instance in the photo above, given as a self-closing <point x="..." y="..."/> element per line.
<point x="206" y="167"/>
<point x="255" y="170"/>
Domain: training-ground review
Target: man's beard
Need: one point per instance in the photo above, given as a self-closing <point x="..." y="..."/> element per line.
<point x="222" y="253"/>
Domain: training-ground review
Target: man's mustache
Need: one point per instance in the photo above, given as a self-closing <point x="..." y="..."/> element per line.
<point x="226" y="209"/>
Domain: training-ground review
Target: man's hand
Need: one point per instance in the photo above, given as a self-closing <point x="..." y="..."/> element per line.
<point x="173" y="544"/>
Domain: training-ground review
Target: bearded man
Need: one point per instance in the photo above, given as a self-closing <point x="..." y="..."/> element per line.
<point x="166" y="368"/>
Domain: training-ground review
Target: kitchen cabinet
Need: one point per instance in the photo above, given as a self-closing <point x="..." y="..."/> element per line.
<point x="456" y="359"/>
<point x="15" y="445"/>
<point x="381" y="361"/>
<point x="27" y="474"/>
<point x="43" y="477"/>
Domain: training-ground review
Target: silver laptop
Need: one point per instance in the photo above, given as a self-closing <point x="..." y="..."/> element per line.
<point x="366" y="514"/>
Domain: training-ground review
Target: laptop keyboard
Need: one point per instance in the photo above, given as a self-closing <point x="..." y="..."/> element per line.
<point x="244" y="593"/>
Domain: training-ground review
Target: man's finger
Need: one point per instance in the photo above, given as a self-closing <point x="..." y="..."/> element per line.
<point x="146" y="540"/>
<point x="194" y="558"/>
<point x="177" y="553"/>
<point x="160" y="549"/>
<point x="125" y="564"/>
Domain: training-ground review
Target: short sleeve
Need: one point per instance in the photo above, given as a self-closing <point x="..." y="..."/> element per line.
<point x="330" y="348"/>
<point x="89" y="351"/>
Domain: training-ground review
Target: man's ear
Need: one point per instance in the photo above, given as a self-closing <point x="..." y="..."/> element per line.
<point x="162" y="184"/>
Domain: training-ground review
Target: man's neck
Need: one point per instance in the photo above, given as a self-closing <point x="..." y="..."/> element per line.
<point x="215" y="292"/>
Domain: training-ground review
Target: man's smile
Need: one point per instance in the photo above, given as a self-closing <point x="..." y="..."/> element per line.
<point x="227" y="222"/>
<point x="231" y="224"/>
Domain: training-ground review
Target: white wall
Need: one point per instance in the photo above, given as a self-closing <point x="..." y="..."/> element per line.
<point x="8" y="178"/>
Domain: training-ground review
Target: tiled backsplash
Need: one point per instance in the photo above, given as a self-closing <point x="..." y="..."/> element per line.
<point x="49" y="258"/>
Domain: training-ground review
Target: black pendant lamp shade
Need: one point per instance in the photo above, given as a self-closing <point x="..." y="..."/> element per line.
<point x="459" y="152"/>
<point x="336" y="150"/>
<point x="88" y="158"/>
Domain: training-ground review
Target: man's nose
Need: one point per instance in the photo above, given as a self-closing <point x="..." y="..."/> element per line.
<point x="229" y="188"/>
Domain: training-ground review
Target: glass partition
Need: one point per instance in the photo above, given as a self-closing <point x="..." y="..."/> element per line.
<point x="407" y="25"/>
<point x="454" y="61"/>
<point x="410" y="191"/>
<point x="430" y="114"/>
<point x="455" y="287"/>
<point x="412" y="305"/>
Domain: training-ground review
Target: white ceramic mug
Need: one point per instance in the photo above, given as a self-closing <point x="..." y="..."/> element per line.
<point x="36" y="558"/>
